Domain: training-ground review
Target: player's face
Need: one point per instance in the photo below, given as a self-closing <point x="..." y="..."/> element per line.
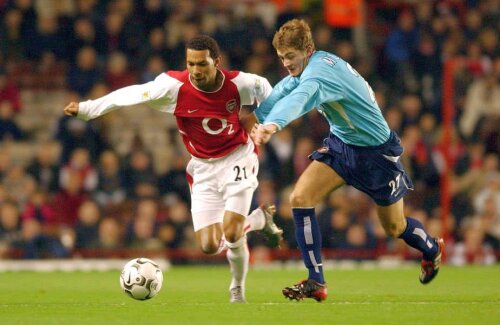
<point x="202" y="69"/>
<point x="294" y="60"/>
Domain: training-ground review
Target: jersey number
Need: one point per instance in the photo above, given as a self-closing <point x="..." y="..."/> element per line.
<point x="241" y="173"/>
<point x="394" y="184"/>
<point x="371" y="93"/>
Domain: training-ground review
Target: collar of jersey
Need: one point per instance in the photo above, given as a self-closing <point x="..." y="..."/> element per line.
<point x="204" y="91"/>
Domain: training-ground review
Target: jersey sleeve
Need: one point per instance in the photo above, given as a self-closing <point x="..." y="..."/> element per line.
<point x="160" y="94"/>
<point x="279" y="91"/>
<point x="292" y="106"/>
<point x="252" y="88"/>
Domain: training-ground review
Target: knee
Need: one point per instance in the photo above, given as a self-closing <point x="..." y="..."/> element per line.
<point x="233" y="229"/>
<point x="232" y="235"/>
<point x="394" y="229"/>
<point x="299" y="199"/>
<point x="210" y="248"/>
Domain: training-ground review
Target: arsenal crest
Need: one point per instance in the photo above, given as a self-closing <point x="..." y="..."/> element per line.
<point x="231" y="105"/>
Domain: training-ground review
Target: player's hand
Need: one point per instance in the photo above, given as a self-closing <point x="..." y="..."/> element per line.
<point x="72" y="109"/>
<point x="263" y="133"/>
<point x="253" y="131"/>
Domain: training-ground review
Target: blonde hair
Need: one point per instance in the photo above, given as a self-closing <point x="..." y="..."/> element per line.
<point x="295" y="34"/>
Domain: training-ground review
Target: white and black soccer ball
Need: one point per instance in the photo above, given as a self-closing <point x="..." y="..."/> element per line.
<point x="141" y="278"/>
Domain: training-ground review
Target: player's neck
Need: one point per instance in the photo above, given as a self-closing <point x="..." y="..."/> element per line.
<point x="216" y="85"/>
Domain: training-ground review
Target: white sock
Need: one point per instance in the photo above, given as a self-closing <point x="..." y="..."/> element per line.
<point x="238" y="257"/>
<point x="222" y="245"/>
<point x="254" y="221"/>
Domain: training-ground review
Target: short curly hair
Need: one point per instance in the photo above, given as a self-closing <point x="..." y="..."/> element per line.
<point x="204" y="42"/>
<point x="295" y="34"/>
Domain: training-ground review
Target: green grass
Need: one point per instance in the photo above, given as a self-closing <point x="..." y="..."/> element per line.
<point x="198" y="295"/>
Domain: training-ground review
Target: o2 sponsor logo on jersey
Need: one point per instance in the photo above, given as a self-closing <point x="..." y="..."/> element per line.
<point x="219" y="130"/>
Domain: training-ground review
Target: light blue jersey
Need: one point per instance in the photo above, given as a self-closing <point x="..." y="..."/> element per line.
<point x="337" y="91"/>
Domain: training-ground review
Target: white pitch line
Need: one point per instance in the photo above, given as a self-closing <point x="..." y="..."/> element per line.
<point x="267" y="303"/>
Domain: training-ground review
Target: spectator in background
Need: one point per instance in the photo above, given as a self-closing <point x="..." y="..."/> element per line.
<point x="82" y="76"/>
<point x="487" y="207"/>
<point x="154" y="13"/>
<point x="69" y="199"/>
<point x="176" y="231"/>
<point x="359" y="241"/>
<point x="284" y="218"/>
<point x="139" y="170"/>
<point x="74" y="134"/>
<point x="280" y="153"/>
<point x="87" y="226"/>
<point x="144" y="235"/>
<point x="84" y="34"/>
<point x="118" y="72"/>
<point x="80" y="164"/>
<point x="109" y="189"/>
<point x="429" y="73"/>
<point x="473" y="24"/>
<point x="12" y="43"/>
<point x="303" y="147"/>
<point x="9" y="91"/>
<point x="400" y="46"/>
<point x="394" y="118"/>
<point x="46" y="38"/>
<point x="467" y="186"/>
<point x="39" y="208"/>
<point x="471" y="249"/>
<point x="142" y="228"/>
<point x="93" y="9"/>
<point x="9" y="130"/>
<point x="10" y="225"/>
<point x="173" y="183"/>
<point x="323" y="37"/>
<point x="110" y="234"/>
<point x="113" y="27"/>
<point x="335" y="233"/>
<point x="36" y="245"/>
<point x="19" y="184"/>
<point x="29" y="14"/>
<point x="489" y="41"/>
<point x="482" y="101"/>
<point x="155" y="46"/>
<point x="44" y="167"/>
<point x="154" y="66"/>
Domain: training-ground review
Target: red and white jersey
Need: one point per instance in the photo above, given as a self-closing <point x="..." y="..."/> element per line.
<point x="208" y="121"/>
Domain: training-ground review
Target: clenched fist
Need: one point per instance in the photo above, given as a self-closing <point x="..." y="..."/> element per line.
<point x="71" y="109"/>
<point x="262" y="133"/>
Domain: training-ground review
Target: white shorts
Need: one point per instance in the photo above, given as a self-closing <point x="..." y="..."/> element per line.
<point x="222" y="184"/>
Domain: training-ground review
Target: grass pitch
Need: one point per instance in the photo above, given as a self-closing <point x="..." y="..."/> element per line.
<point x="198" y="295"/>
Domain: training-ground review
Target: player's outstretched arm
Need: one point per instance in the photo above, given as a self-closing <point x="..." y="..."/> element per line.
<point x="72" y="109"/>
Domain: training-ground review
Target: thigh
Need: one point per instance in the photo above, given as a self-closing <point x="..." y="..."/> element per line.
<point x="239" y="174"/>
<point x="207" y="203"/>
<point x="316" y="181"/>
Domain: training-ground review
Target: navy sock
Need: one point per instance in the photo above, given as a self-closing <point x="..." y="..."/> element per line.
<point x="308" y="238"/>
<point x="416" y="236"/>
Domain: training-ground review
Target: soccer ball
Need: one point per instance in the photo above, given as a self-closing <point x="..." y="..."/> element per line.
<point x="141" y="278"/>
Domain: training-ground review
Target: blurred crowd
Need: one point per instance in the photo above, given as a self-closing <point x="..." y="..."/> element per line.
<point x="102" y="185"/>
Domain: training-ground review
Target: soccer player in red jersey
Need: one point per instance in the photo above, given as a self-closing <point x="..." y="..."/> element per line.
<point x="206" y="102"/>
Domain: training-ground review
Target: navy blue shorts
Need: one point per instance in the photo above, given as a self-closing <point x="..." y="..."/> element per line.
<point x="377" y="170"/>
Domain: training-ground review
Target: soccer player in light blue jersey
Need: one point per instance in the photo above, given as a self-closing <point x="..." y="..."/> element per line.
<point x="360" y="151"/>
